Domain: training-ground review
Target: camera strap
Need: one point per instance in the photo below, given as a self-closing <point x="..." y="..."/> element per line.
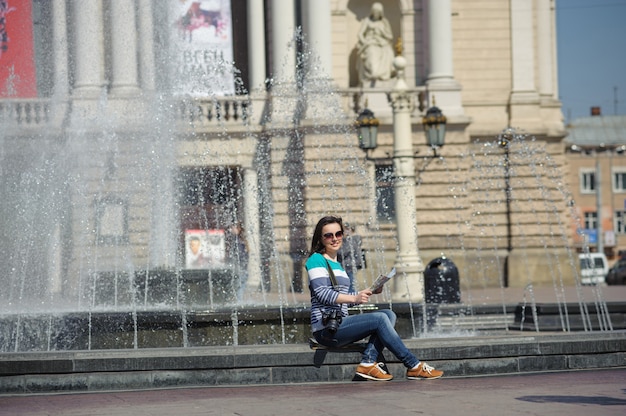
<point x="331" y="274"/>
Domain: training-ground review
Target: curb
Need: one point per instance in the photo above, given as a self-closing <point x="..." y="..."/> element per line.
<point x="113" y="370"/>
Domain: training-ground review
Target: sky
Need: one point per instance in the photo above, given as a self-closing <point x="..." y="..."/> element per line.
<point x="591" y="51"/>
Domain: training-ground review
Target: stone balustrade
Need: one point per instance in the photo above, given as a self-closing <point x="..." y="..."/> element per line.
<point x="195" y="113"/>
<point x="25" y="112"/>
<point x="200" y="112"/>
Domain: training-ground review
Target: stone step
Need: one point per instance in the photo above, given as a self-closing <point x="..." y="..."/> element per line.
<point x="105" y="370"/>
<point x="475" y="322"/>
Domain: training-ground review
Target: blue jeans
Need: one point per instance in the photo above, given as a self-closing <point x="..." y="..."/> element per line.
<point x="379" y="326"/>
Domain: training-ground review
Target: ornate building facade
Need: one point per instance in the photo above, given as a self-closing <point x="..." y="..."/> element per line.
<point x="133" y="144"/>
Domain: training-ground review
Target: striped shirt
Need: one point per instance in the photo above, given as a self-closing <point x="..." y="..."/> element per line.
<point x="323" y="295"/>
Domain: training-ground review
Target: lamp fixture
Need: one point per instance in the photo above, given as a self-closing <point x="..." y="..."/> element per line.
<point x="367" y="129"/>
<point x="434" y="123"/>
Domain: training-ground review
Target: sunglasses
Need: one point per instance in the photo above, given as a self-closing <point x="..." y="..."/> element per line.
<point x="337" y="235"/>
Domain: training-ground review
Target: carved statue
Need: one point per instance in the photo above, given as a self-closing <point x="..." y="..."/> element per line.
<point x="374" y="50"/>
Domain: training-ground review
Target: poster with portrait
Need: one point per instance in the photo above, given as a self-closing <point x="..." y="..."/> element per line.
<point x="17" y="58"/>
<point x="202" y="48"/>
<point x="204" y="249"/>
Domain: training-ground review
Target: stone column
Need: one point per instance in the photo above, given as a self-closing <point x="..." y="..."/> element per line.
<point x="59" y="35"/>
<point x="317" y="26"/>
<point x="440" y="37"/>
<point x="522" y="46"/>
<point x="524" y="102"/>
<point x="146" y="45"/>
<point x="283" y="47"/>
<point x="89" y="37"/>
<point x="285" y="106"/>
<point x="251" y="224"/>
<point x="124" y="49"/>
<point x="285" y="103"/>
<point x="545" y="45"/>
<point x="550" y="105"/>
<point x="60" y="94"/>
<point x="441" y="82"/>
<point x="256" y="45"/>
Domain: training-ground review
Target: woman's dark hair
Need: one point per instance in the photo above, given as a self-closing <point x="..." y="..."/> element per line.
<point x="316" y="243"/>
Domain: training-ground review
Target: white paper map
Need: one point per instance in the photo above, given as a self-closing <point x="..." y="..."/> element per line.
<point x="382" y="279"/>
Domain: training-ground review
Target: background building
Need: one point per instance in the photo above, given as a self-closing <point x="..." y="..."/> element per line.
<point x="595" y="151"/>
<point x="142" y="132"/>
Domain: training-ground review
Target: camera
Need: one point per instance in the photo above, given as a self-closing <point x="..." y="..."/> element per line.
<point x="331" y="320"/>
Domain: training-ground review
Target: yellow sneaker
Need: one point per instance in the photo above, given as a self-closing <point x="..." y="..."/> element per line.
<point x="423" y="371"/>
<point x="373" y="372"/>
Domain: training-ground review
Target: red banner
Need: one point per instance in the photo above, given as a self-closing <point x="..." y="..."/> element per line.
<point x="17" y="63"/>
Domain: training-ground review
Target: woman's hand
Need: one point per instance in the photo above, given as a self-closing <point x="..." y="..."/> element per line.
<point x="377" y="291"/>
<point x="363" y="296"/>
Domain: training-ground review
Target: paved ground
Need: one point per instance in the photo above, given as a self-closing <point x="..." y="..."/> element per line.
<point x="590" y="392"/>
<point x="571" y="393"/>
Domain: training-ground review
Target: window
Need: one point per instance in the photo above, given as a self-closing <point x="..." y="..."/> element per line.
<point x="620" y="222"/>
<point x="385" y="193"/>
<point x="111" y="220"/>
<point x="591" y="220"/>
<point x="210" y="197"/>
<point x="619" y="180"/>
<point x="587" y="181"/>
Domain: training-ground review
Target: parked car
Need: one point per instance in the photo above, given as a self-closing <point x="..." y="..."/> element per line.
<point x="617" y="273"/>
<point x="593" y="268"/>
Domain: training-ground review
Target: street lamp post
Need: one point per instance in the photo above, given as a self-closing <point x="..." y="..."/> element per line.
<point x="598" y="185"/>
<point x="408" y="261"/>
<point x="504" y="141"/>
